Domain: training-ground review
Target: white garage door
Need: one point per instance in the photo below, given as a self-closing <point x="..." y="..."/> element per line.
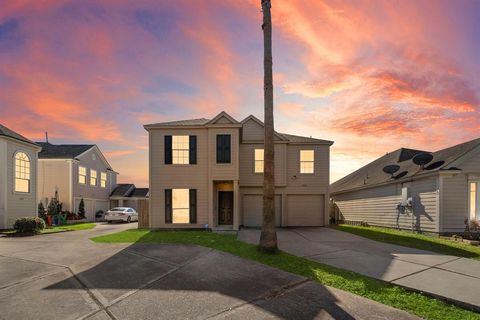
<point x="91" y="207"/>
<point x="305" y="210"/>
<point x="253" y="207"/>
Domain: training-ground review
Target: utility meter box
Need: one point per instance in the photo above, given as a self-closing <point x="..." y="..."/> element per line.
<point x="406" y="197"/>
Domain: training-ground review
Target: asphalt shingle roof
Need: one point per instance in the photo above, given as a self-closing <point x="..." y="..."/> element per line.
<point x="191" y="122"/>
<point x="129" y="190"/>
<point x="372" y="174"/>
<point x="4" y="131"/>
<point x="300" y="139"/>
<point x="204" y="121"/>
<point x="123" y="190"/>
<point x="62" y="151"/>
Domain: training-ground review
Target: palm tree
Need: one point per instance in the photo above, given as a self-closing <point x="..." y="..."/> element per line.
<point x="268" y="238"/>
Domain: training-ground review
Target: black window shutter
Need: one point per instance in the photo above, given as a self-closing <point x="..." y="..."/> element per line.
<point x="227" y="148"/>
<point x="168" y="149"/>
<point x="168" y="205"/>
<point x="193" y="150"/>
<point x="219" y="148"/>
<point x="193" y="206"/>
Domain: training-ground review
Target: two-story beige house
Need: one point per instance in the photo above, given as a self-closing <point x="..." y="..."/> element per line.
<point x="18" y="177"/>
<point x="77" y="172"/>
<point x="210" y="172"/>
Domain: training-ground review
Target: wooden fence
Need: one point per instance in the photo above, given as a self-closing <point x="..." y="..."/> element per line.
<point x="143" y="214"/>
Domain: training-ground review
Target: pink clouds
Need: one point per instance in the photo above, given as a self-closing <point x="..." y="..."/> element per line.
<point x="362" y="73"/>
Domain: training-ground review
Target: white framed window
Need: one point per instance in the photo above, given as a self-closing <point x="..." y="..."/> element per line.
<point x="474" y="200"/>
<point x="259" y="160"/>
<point x="180" y="149"/>
<point x="22" y="172"/>
<point x="307" y="160"/>
<point x="103" y="179"/>
<point x="82" y="175"/>
<point x="93" y="177"/>
<point x="180" y="206"/>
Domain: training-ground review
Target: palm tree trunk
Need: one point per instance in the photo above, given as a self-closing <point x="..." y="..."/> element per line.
<point x="268" y="238"/>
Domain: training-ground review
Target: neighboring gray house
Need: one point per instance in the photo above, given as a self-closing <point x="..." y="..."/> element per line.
<point x="444" y="190"/>
<point x="127" y="195"/>
<point x="18" y="177"/>
<point x="210" y="172"/>
<point x="75" y="171"/>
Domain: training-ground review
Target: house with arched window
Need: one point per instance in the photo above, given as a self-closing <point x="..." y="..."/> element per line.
<point x="18" y="177"/>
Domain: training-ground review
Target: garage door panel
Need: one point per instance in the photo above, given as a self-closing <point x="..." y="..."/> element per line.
<point x="252" y="208"/>
<point x="305" y="210"/>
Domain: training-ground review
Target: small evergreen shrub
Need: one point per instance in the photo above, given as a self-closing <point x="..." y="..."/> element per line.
<point x="29" y="225"/>
<point x="81" y="209"/>
<point x="42" y="212"/>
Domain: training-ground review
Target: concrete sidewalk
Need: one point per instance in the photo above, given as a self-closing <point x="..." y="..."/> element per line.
<point x="66" y="276"/>
<point x="453" y="278"/>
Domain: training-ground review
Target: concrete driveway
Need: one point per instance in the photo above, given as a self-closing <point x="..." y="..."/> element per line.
<point x="66" y="276"/>
<point x="453" y="278"/>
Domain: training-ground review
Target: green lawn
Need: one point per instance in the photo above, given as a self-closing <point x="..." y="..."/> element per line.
<point x="70" y="227"/>
<point x="377" y="290"/>
<point x="414" y="240"/>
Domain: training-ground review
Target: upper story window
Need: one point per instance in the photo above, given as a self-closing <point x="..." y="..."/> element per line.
<point x="259" y="163"/>
<point x="93" y="177"/>
<point x="307" y="158"/>
<point x="103" y="179"/>
<point x="22" y="172"/>
<point x="180" y="149"/>
<point x="223" y="148"/>
<point x="82" y="175"/>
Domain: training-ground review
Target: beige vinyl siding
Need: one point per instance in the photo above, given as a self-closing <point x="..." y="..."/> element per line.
<point x="249" y="178"/>
<point x="208" y="177"/>
<point x="454" y="203"/>
<point x="20" y="204"/>
<point x="378" y="205"/>
<point x="54" y="175"/>
<point x="318" y="182"/>
<point x="252" y="131"/>
<point x="223" y="171"/>
<point x="177" y="176"/>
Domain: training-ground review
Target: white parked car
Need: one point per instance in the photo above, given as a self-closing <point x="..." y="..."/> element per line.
<point x="125" y="214"/>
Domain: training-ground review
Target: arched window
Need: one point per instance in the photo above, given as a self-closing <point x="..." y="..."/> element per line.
<point x="22" y="172"/>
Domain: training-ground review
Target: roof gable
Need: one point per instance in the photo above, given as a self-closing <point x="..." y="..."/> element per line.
<point x="223" y="118"/>
<point x="6" y="132"/>
<point x="252" y="120"/>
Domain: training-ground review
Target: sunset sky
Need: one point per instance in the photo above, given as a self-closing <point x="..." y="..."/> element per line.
<point x="370" y="75"/>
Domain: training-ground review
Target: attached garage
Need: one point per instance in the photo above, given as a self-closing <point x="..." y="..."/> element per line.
<point x="91" y="207"/>
<point x="304" y="210"/>
<point x="252" y="207"/>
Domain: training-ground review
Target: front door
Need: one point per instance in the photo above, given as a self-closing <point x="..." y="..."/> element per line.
<point x="225" y="207"/>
